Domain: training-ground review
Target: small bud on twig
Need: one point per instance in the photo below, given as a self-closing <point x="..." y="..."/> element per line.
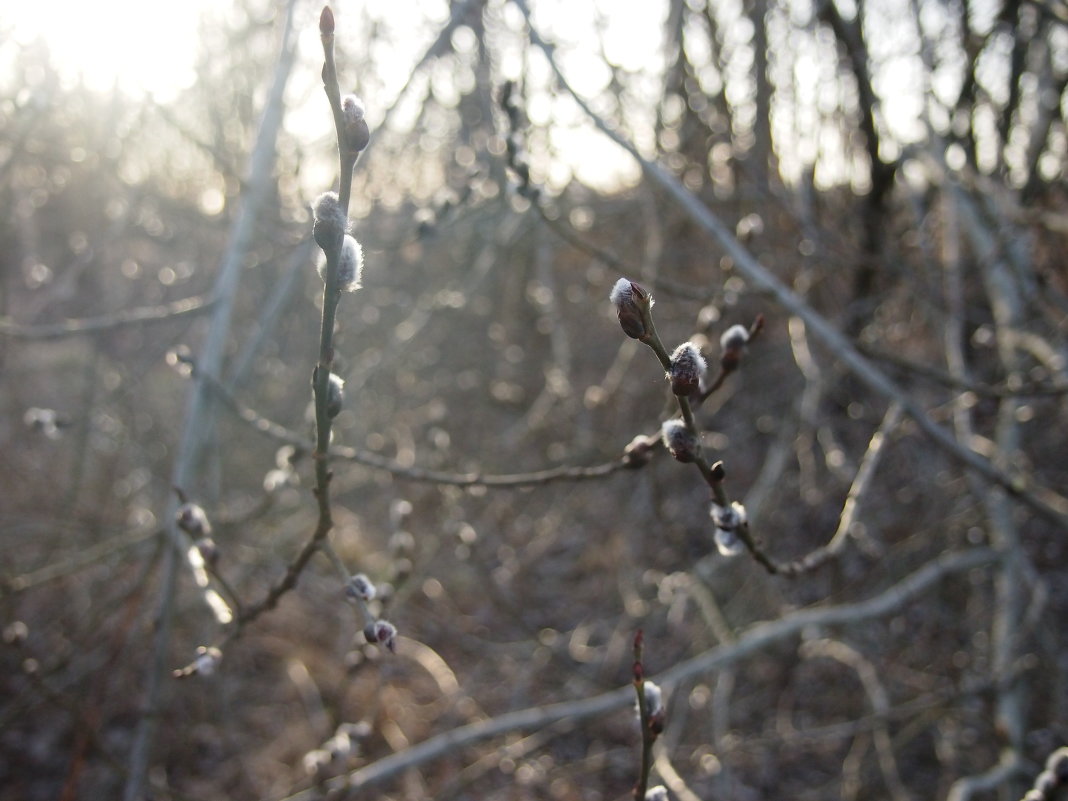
<point x="329" y="221"/>
<point x="687" y="369"/>
<point x="639" y="451"/>
<point x="733" y="343"/>
<point x="382" y="632"/>
<point x="192" y="519"/>
<point x="728" y="520"/>
<point x="658" y="793"/>
<point x="680" y="440"/>
<point x="631" y="302"/>
<point x="335" y="395"/>
<point x="326" y="21"/>
<point x="355" y="131"/>
<point x="359" y="586"/>
<point x="654" y="706"/>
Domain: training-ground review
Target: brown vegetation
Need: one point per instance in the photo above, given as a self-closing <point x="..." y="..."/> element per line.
<point x="893" y="626"/>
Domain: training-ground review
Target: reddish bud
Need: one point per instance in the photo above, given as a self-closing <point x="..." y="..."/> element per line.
<point x="632" y="302"/>
<point x="326" y="21"/>
<point x="687" y="369"/>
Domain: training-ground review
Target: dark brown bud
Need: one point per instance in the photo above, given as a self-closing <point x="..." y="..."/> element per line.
<point x="632" y="304"/>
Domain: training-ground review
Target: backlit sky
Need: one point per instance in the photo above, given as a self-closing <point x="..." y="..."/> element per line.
<point x="144" y="45"/>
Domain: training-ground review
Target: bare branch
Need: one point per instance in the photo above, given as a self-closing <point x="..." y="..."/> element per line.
<point x="109" y="322"/>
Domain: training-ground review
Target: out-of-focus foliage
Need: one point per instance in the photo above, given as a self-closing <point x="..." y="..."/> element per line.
<point x="899" y="166"/>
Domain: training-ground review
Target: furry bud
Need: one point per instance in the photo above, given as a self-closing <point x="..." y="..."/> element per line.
<point x="729" y="520"/>
<point x="382" y="632"/>
<point x="733" y="343"/>
<point x="350" y="265"/>
<point x="355" y="133"/>
<point x="687" y="369"/>
<point x="680" y="440"/>
<point x="632" y="303"/>
<point x="639" y="451"/>
<point x="360" y="586"/>
<point x="329" y="221"/>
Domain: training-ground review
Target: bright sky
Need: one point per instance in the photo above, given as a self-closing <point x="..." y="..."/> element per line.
<point x="144" y="45"/>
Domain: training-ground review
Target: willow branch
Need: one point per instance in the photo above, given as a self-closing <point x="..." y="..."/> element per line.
<point x="1016" y="485"/>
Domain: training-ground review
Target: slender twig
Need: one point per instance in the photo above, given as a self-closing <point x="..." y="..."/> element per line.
<point x="1010" y="766"/>
<point x="349" y="148"/>
<point x="280" y="433"/>
<point x="754" y="639"/>
<point x="109" y="322"/>
<point x="649" y="720"/>
<point x="877" y="697"/>
<point x="1025" y="390"/>
<point x="861" y="482"/>
<point x="81" y="559"/>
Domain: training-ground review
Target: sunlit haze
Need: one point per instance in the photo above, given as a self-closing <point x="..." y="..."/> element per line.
<point x="139" y="46"/>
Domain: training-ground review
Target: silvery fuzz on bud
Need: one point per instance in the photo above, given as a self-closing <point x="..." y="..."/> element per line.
<point x="680" y="440"/>
<point x="382" y="632"/>
<point x="361" y="587"/>
<point x="729" y="520"/>
<point x="654" y="706"/>
<point x="632" y="303"/>
<point x="350" y="265"/>
<point x="733" y="344"/>
<point x="354" y="132"/>
<point x="687" y="369"/>
<point x="329" y="221"/>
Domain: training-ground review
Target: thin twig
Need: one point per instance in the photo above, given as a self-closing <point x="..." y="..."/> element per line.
<point x="109" y="322"/>
<point x="861" y="483"/>
<point x="280" y="433"/>
<point x="756" y="638"/>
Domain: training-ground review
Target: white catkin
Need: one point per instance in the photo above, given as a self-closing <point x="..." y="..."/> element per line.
<point x="350" y="267"/>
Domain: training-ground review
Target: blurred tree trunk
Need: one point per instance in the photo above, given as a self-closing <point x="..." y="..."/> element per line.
<point x="850" y="36"/>
<point x="763" y="158"/>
